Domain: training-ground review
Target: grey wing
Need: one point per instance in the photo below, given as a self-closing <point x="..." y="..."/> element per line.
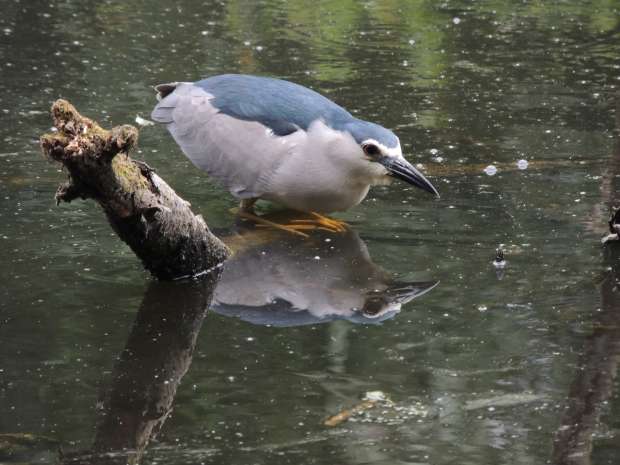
<point x="242" y="155"/>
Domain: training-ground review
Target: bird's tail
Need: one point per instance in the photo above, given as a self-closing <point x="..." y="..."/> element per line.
<point x="163" y="90"/>
<point x="162" y="113"/>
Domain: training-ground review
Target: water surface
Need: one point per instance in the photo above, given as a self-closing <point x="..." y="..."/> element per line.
<point x="485" y="368"/>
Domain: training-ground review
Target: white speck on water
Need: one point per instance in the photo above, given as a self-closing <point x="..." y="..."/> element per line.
<point x="143" y="122"/>
<point x="247" y="43"/>
<point x="411" y="41"/>
<point x="482" y="308"/>
<point x="204" y="33"/>
<point x="490" y="170"/>
<point x="250" y="339"/>
<point x="456" y="20"/>
<point x="259" y="48"/>
<point x="377" y="396"/>
<point x="438" y="159"/>
<point x="434" y="151"/>
<point x="328" y="239"/>
<point x="522" y="164"/>
<point x="316" y="257"/>
<point x="231" y="379"/>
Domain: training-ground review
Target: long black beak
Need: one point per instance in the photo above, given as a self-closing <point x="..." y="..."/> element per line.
<point x="402" y="169"/>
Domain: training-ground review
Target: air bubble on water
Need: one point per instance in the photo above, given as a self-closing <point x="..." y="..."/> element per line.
<point x="456" y="20"/>
<point x="522" y="164"/>
<point x="490" y="170"/>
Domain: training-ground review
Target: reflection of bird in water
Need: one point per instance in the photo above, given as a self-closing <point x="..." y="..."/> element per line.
<point x="285" y="281"/>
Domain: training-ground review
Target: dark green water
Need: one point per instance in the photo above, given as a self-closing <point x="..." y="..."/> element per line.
<point x="480" y="370"/>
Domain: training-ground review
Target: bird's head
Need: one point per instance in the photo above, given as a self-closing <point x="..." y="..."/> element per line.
<point x="380" y="149"/>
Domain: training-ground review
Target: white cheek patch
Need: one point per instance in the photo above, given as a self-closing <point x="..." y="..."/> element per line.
<point x="388" y="151"/>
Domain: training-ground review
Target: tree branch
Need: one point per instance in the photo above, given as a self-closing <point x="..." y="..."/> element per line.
<point x="145" y="212"/>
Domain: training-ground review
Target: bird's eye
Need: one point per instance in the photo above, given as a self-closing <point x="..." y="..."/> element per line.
<point x="371" y="150"/>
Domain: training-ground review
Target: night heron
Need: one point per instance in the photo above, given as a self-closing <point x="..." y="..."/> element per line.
<point x="265" y="138"/>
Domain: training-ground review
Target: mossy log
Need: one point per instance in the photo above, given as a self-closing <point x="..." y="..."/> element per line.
<point x="145" y="212"/>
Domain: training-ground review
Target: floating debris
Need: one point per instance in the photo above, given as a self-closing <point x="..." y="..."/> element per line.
<point x="370" y="400"/>
<point x="522" y="164"/>
<point x="14" y="444"/>
<point x="499" y="262"/>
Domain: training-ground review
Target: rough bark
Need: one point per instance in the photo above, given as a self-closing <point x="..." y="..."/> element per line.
<point x="145" y="212"/>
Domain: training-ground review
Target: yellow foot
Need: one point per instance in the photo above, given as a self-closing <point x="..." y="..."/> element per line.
<point x="298" y="225"/>
<point x="319" y="221"/>
<point x="292" y="228"/>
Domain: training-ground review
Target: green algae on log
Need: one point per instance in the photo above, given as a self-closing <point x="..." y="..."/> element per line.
<point x="145" y="212"/>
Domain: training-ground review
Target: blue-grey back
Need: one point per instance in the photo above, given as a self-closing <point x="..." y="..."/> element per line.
<point x="282" y="106"/>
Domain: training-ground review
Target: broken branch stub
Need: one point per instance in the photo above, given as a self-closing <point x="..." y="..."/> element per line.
<point x="145" y="212"/>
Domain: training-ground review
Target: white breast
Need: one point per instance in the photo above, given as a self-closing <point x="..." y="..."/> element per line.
<point x="325" y="172"/>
